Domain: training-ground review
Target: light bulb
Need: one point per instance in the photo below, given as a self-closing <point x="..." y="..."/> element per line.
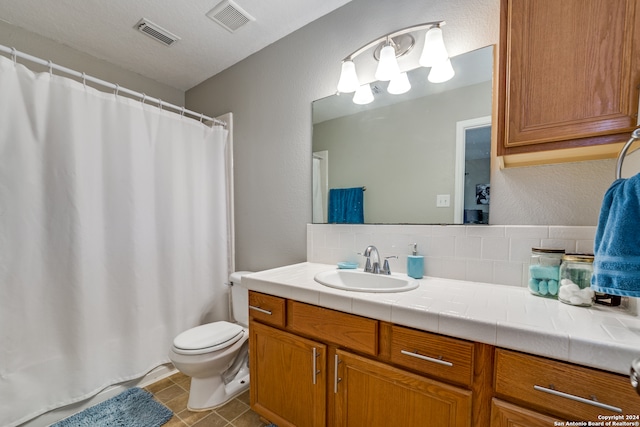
<point x="348" y="78"/>
<point x="399" y="84"/>
<point x="363" y="95"/>
<point x="388" y="64"/>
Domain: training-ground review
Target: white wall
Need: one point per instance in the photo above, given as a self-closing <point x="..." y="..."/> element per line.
<point x="271" y="92"/>
<point x="47" y="49"/>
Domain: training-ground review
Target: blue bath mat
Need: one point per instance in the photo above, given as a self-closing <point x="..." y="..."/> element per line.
<point x="132" y="408"/>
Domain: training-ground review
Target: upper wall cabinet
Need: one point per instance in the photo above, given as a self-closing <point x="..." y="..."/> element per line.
<point x="568" y="79"/>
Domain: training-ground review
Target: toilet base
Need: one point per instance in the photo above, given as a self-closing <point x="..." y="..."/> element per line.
<point x="210" y="393"/>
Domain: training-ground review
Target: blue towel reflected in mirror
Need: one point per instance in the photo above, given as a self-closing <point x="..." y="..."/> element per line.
<point x="346" y="205"/>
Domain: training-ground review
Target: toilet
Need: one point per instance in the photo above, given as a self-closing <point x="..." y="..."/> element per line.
<point x="216" y="355"/>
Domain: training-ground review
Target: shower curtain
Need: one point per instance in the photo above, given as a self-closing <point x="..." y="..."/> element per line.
<point x="113" y="237"/>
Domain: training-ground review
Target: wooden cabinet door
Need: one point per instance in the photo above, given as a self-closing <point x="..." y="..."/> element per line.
<point x="504" y="414"/>
<point x="569" y="72"/>
<point x="288" y="377"/>
<point x="373" y="394"/>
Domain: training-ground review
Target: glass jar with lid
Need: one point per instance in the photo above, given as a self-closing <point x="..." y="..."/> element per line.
<point x="575" y="280"/>
<point x="544" y="271"/>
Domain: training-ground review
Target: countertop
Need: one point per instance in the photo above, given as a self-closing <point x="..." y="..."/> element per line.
<point x="504" y="316"/>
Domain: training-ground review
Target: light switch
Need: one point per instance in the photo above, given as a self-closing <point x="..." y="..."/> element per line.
<point x="443" y="200"/>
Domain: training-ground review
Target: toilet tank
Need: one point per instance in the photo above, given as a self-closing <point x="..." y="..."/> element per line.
<point x="239" y="298"/>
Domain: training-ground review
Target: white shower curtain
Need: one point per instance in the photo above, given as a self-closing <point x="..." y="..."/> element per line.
<point x="113" y="237"/>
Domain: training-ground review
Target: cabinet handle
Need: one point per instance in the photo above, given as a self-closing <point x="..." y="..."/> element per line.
<point x="427" y="358"/>
<point x="261" y="310"/>
<point x="577" y="398"/>
<point x="316" y="371"/>
<point x="336" y="379"/>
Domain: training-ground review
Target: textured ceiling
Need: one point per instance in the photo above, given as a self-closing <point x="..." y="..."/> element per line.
<point x="105" y="29"/>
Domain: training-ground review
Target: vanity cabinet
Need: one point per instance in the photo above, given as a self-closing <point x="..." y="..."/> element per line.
<point x="325" y="367"/>
<point x="288" y="377"/>
<point x="440" y="357"/>
<point x="504" y="414"/>
<point x="311" y="366"/>
<point x="543" y="389"/>
<point x="568" y="79"/>
<point x="373" y="394"/>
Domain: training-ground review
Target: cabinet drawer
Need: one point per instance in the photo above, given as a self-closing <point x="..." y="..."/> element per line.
<point x="447" y="358"/>
<point x="267" y="308"/>
<point x="347" y="330"/>
<point x="563" y="389"/>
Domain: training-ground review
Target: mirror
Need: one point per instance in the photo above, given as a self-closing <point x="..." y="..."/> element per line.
<point x="422" y="157"/>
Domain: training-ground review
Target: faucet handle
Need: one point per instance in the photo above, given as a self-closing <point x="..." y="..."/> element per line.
<point x="367" y="265"/>
<point x="385" y="268"/>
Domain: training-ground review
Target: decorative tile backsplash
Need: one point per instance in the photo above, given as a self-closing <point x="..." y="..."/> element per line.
<point x="496" y="254"/>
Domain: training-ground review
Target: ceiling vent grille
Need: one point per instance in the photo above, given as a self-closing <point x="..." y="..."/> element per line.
<point x="230" y="15"/>
<point x="156" y="32"/>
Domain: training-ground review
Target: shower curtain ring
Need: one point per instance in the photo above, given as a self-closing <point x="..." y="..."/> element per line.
<point x="117" y="89"/>
<point x="201" y="117"/>
<point x="160" y="104"/>
<point x="182" y="111"/>
<point x="14" y="55"/>
<point x="84" y="80"/>
<point x="50" y="68"/>
<point x="144" y="97"/>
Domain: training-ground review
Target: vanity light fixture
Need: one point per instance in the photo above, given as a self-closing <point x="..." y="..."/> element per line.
<point x="387" y="64"/>
<point x="399" y="84"/>
<point x="441" y="72"/>
<point x="394" y="45"/>
<point x="363" y="95"/>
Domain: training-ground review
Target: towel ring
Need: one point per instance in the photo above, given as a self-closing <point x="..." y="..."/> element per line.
<point x="634" y="137"/>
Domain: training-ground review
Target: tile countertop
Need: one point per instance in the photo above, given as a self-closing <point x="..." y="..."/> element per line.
<point x="504" y="316"/>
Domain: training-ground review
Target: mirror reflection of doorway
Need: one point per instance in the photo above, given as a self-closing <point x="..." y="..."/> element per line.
<point x="473" y="171"/>
<point x="320" y="180"/>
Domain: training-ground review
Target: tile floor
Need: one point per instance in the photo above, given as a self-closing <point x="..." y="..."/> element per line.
<point x="173" y="392"/>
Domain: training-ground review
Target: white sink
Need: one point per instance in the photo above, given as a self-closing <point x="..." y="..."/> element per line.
<point x="359" y="281"/>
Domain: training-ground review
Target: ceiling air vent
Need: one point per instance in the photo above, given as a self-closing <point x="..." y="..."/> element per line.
<point x="229" y="15"/>
<point x="156" y="32"/>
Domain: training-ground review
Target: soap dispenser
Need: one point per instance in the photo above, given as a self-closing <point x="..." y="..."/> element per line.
<point x="415" y="263"/>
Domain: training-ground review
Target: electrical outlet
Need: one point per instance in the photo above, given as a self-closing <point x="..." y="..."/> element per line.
<point x="443" y="200"/>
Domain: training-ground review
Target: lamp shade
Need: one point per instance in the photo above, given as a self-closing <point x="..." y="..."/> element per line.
<point x="441" y="72"/>
<point x="434" y="50"/>
<point x="388" y="64"/>
<point x="348" y="78"/>
<point x="363" y="95"/>
<point x="399" y="84"/>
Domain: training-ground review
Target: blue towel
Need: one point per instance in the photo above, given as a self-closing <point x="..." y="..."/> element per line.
<point x="346" y="205"/>
<point x="616" y="267"/>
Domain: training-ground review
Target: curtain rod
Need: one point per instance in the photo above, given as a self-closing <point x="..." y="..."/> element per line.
<point x="160" y="103"/>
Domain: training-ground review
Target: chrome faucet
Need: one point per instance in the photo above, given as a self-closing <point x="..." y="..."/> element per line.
<point x="372" y="266"/>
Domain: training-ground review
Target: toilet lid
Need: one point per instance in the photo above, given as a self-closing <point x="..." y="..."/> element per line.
<point x="210" y="337"/>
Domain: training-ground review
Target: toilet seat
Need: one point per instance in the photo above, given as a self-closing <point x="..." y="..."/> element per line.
<point x="208" y="338"/>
